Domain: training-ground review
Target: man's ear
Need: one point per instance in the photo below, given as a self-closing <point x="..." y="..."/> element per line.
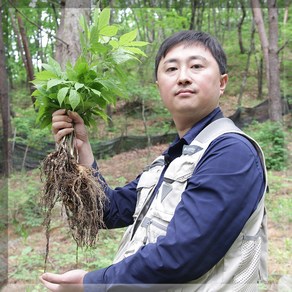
<point x="223" y="83"/>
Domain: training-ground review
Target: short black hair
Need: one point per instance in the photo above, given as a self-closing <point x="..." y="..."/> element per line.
<point x="190" y="37"/>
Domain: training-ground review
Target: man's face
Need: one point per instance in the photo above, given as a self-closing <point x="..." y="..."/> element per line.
<point x="190" y="82"/>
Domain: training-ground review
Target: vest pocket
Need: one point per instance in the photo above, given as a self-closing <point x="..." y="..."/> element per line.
<point x="155" y="227"/>
<point x="247" y="272"/>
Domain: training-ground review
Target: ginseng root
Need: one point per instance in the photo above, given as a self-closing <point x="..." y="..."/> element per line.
<point x="80" y="193"/>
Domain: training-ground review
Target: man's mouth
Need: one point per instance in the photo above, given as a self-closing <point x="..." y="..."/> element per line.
<point x="185" y="92"/>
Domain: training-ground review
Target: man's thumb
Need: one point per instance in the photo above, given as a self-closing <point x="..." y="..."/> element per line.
<point x="52" y="278"/>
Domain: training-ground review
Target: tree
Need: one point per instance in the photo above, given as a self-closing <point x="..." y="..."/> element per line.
<point x="28" y="60"/>
<point x="275" y="104"/>
<point x="258" y="18"/>
<point x="239" y="28"/>
<point x="5" y="105"/>
<point x="69" y="48"/>
<point x="270" y="50"/>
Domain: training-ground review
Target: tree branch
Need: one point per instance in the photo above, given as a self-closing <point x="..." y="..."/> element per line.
<point x="281" y="48"/>
<point x="35" y="24"/>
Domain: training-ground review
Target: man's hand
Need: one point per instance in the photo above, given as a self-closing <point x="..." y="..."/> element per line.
<point x="64" y="123"/>
<point x="67" y="282"/>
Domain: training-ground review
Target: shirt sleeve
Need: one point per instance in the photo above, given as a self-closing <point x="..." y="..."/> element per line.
<point x="120" y="203"/>
<point x="224" y="190"/>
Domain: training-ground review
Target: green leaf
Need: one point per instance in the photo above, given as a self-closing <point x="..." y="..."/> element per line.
<point x="109" y="31"/>
<point x="121" y="56"/>
<point x="95" y="91"/>
<point x="128" y="37"/>
<point x="104" y="18"/>
<point x="137" y="44"/>
<point x="44" y="75"/>
<point x="53" y="82"/>
<point x="56" y="66"/>
<point x="72" y="75"/>
<point x="78" y="85"/>
<point x="62" y="94"/>
<point x="94" y="36"/>
<point x="114" y="44"/>
<point x="136" y="51"/>
<point x="81" y="66"/>
<point x="99" y="48"/>
<point x="74" y="98"/>
<point x="100" y="113"/>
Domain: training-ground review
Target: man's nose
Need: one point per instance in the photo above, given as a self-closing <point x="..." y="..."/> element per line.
<point x="184" y="77"/>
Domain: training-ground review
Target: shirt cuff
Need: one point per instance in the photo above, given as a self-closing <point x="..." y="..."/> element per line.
<point x="94" y="281"/>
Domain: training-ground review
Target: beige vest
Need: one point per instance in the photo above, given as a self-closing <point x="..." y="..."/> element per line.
<point x="245" y="262"/>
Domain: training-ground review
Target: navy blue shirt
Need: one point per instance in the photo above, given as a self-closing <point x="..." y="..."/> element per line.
<point x="222" y="193"/>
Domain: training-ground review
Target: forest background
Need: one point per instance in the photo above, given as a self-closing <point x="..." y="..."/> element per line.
<point x="256" y="37"/>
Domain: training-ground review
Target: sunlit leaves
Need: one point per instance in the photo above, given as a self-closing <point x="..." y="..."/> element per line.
<point x="62" y="94"/>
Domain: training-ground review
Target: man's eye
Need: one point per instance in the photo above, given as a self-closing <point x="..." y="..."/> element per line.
<point x="197" y="66"/>
<point x="170" y="69"/>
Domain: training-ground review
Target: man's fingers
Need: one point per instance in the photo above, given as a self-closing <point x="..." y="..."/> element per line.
<point x="74" y="116"/>
<point x="56" y="126"/>
<point x="51" y="286"/>
<point x="61" y="118"/>
<point x="61" y="133"/>
<point x="59" y="112"/>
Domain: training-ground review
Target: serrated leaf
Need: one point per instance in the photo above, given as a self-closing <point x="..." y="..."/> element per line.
<point x="120" y="56"/>
<point x="99" y="48"/>
<point x="128" y="37"/>
<point x="74" y="98"/>
<point x="53" y="82"/>
<point x="100" y="113"/>
<point x="114" y="44"/>
<point x="48" y="67"/>
<point x="56" y="66"/>
<point x="137" y="44"/>
<point x="136" y="51"/>
<point x="95" y="91"/>
<point x="104" y="17"/>
<point x="36" y="93"/>
<point x="94" y="35"/>
<point x="62" y="94"/>
<point x="81" y="66"/>
<point x="38" y="83"/>
<point x="44" y="75"/>
<point x="78" y="85"/>
<point x="109" y="31"/>
<point x="72" y="76"/>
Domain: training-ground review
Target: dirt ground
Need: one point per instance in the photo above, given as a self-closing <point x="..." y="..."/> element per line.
<point x="125" y="166"/>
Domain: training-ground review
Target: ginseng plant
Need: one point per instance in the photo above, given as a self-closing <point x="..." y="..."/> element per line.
<point x="86" y="87"/>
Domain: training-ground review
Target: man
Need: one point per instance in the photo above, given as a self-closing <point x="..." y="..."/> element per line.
<point x="196" y="215"/>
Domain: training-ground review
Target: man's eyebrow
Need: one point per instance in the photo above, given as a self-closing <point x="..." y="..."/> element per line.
<point x="195" y="57"/>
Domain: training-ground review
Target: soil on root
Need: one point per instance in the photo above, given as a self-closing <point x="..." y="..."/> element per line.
<point x="80" y="193"/>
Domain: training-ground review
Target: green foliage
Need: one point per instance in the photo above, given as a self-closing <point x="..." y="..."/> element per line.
<point x="96" y="78"/>
<point x="271" y="137"/>
<point x="24" y="211"/>
<point x="27" y="131"/>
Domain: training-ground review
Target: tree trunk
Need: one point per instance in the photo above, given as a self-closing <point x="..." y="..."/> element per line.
<point x="69" y="29"/>
<point x="17" y="36"/>
<point x="5" y="107"/>
<point x="28" y="60"/>
<point x="193" y="16"/>
<point x="243" y="83"/>
<point x="275" y="105"/>
<point x="239" y="28"/>
<point x="258" y="18"/>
